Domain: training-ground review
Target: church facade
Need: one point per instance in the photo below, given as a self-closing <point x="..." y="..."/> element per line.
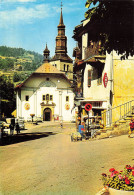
<point x="47" y="93"/>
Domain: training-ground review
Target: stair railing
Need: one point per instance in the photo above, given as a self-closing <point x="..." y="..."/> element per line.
<point x="118" y="113"/>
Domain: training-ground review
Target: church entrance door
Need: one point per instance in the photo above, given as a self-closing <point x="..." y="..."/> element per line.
<point x="47" y="115"/>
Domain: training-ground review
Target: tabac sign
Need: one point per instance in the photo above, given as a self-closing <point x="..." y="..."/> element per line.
<point x="105" y="80"/>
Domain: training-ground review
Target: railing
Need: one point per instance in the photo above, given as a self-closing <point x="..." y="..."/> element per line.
<point x="118" y="113"/>
<point x="93" y="50"/>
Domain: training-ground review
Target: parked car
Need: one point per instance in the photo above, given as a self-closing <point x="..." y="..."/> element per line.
<point x="29" y="119"/>
<point x="1" y="124"/>
<point x="5" y="124"/>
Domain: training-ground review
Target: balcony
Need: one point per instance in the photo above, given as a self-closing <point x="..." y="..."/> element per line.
<point x="92" y="50"/>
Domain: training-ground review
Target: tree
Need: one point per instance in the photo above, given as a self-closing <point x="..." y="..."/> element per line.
<point x="7" y="100"/>
<point x="111" y="22"/>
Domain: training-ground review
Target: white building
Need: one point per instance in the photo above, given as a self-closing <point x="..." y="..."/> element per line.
<point x="47" y="93"/>
<point x="103" y="80"/>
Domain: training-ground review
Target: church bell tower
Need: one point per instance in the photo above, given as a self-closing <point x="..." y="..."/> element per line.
<point x="61" y="60"/>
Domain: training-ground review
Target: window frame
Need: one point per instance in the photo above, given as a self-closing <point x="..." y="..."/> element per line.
<point x="89" y="78"/>
<point x="27" y="96"/>
<point x="51" y="97"/>
<point x="47" y="97"/>
<point x="67" y="98"/>
<point x="43" y="99"/>
<point x="64" y="67"/>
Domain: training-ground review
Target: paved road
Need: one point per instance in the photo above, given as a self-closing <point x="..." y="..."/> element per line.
<point x="45" y="161"/>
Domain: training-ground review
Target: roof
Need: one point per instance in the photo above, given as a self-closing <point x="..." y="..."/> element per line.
<point x="61" y="23"/>
<point x="47" y="68"/>
<point x="64" y="58"/>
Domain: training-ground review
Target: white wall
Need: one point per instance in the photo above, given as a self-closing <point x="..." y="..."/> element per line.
<point x="98" y="92"/>
<point x="35" y="89"/>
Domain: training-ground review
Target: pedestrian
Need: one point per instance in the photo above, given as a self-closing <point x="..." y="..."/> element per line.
<point x="1" y="132"/>
<point x="17" y="128"/>
<point x="131" y="128"/>
<point x="61" y="124"/>
<point x="11" y="126"/>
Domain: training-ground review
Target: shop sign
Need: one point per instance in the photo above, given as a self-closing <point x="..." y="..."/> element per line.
<point x="105" y="80"/>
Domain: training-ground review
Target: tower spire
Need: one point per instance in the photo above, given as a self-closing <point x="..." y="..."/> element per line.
<point x="61" y="16"/>
<point x="46" y="54"/>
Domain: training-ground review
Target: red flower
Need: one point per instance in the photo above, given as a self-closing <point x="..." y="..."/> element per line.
<point x="115" y="172"/>
<point x="127" y="181"/>
<point x="128" y="166"/>
<point x="133" y="173"/>
<point x="111" y="170"/>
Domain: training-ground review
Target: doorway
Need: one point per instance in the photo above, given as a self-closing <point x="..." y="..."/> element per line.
<point x="47" y="114"/>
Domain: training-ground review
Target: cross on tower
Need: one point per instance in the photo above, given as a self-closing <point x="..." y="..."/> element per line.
<point x="61" y="5"/>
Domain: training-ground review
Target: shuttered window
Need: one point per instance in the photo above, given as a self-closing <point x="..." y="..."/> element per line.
<point x="67" y="98"/>
<point x="51" y="97"/>
<point x="89" y="78"/>
<point x="43" y="97"/>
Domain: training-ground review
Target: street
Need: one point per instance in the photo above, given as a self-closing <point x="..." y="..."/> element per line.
<point x="44" y="161"/>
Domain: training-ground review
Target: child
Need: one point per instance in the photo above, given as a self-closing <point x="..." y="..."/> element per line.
<point x="131" y="127"/>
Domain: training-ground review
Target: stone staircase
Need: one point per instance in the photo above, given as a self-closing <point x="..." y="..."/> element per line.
<point x="119" y="128"/>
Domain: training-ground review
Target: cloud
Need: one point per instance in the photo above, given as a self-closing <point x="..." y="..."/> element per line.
<point x="28" y="14"/>
<point x="24" y="15"/>
<point x="15" y="1"/>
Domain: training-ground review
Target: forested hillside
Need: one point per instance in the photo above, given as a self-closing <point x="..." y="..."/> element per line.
<point x="18" y="58"/>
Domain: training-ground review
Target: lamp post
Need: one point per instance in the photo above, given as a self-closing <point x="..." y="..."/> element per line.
<point x="32" y="115"/>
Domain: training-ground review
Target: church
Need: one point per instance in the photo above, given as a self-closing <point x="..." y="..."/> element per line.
<point x="47" y="92"/>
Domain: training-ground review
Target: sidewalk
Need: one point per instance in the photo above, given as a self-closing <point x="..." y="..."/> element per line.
<point x="30" y="125"/>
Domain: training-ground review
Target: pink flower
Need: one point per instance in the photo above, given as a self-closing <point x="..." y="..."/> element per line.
<point x="112" y="174"/>
<point x="120" y="176"/>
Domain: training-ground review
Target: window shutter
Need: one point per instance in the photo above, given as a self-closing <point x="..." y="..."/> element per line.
<point x="89" y="78"/>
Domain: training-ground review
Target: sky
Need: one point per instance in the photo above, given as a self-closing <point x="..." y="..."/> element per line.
<point x="30" y="24"/>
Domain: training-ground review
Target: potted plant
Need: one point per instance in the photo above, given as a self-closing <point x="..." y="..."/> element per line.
<point x="121" y="182"/>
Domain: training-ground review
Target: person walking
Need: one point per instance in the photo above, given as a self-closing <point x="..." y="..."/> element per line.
<point x="17" y="128"/>
<point x="131" y="128"/>
<point x="61" y="123"/>
<point x="11" y="126"/>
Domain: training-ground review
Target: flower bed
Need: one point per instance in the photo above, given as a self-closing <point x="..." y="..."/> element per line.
<point x="122" y="180"/>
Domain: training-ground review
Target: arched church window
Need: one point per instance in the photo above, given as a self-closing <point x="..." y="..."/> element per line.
<point x="27" y="98"/>
<point x="67" y="67"/>
<point x="47" y="97"/>
<point x="64" y="67"/>
<point x="67" y="98"/>
<point x="43" y="97"/>
<point x="51" y="97"/>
